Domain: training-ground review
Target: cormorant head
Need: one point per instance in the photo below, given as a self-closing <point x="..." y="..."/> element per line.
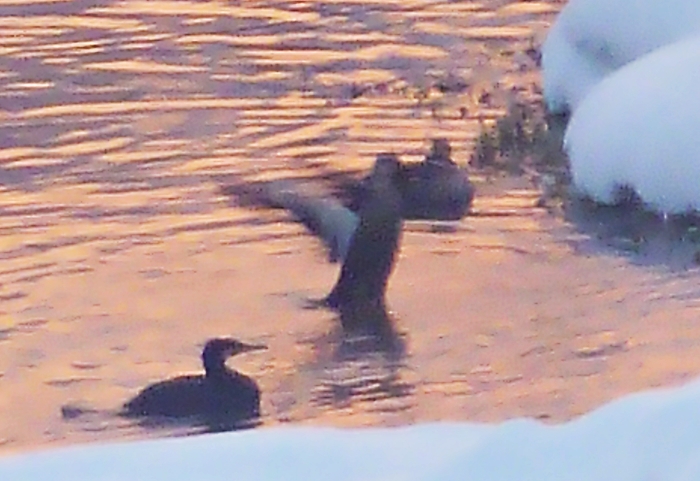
<point x="386" y="167"/>
<point x="217" y="350"/>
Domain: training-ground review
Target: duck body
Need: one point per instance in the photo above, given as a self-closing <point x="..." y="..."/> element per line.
<point x="436" y="188"/>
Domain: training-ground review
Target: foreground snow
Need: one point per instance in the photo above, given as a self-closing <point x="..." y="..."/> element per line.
<point x="592" y="38"/>
<point x="643" y="437"/>
<point x="639" y="127"/>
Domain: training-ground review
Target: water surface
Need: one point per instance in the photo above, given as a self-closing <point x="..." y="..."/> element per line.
<point x="119" y="123"/>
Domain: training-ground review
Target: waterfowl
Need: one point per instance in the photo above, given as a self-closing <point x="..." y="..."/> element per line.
<point x="220" y="395"/>
<point x="436" y="188"/>
<point x="359" y="293"/>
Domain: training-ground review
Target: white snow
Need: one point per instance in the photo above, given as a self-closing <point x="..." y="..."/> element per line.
<point x="651" y="436"/>
<point x="592" y="38"/>
<point x="640" y="127"/>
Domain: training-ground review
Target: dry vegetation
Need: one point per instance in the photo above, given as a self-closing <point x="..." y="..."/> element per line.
<point x="526" y="141"/>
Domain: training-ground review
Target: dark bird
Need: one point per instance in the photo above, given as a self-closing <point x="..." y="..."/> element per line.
<point x="220" y="399"/>
<point x="359" y="293"/>
<point x="436" y="188"/>
<point x="323" y="216"/>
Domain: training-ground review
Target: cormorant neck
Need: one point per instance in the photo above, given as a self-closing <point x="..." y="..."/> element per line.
<point x="215" y="366"/>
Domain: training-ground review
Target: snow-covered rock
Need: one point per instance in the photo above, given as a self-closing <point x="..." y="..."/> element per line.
<point x="592" y="38"/>
<point x="640" y="127"/>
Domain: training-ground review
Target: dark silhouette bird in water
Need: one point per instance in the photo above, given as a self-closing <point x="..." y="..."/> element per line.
<point x="220" y="399"/>
<point x="359" y="293"/>
<point x="365" y="241"/>
<point x="436" y="188"/>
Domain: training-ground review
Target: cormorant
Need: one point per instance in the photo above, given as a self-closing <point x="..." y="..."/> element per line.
<point x="221" y="397"/>
<point x="359" y="293"/>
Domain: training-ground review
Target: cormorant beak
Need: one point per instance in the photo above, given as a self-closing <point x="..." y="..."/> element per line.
<point x="243" y="347"/>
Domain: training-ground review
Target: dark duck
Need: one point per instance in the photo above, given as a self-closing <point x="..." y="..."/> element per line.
<point x="221" y="398"/>
<point x="436" y="188"/>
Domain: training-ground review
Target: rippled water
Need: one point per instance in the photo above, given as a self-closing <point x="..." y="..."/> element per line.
<point x="121" y="121"/>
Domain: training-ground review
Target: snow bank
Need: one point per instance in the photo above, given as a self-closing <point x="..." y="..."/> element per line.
<point x="639" y="127"/>
<point x="644" y="437"/>
<point x="592" y="38"/>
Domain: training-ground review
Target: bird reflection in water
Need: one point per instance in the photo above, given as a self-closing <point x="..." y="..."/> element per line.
<point x="354" y="369"/>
